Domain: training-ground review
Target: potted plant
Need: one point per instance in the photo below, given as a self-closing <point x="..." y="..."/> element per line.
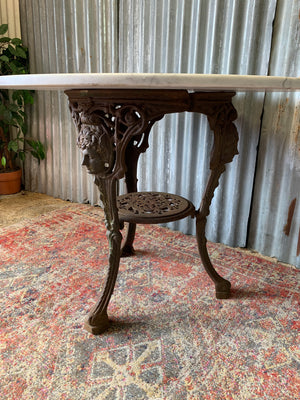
<point x="14" y="142"/>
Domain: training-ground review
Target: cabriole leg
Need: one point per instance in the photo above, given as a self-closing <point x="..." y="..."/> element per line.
<point x="221" y="284"/>
<point x="220" y="117"/>
<point x="97" y="321"/>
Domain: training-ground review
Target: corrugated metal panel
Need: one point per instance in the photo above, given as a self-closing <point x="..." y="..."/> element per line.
<point x="200" y="37"/>
<point x="9" y="14"/>
<point x="275" y="219"/>
<point x="65" y="36"/>
<point x="210" y="36"/>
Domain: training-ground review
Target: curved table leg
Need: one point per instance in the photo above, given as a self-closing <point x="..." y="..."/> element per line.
<point x="221" y="284"/>
<point x="220" y="117"/>
<point x="97" y="321"/>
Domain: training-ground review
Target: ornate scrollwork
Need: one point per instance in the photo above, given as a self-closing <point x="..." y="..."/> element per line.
<point x="113" y="128"/>
<point x="226" y="135"/>
<point x="104" y="133"/>
<point x="152" y="204"/>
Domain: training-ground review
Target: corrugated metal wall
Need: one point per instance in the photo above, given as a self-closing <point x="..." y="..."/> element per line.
<point x="65" y="36"/>
<point x="200" y="37"/>
<point x="275" y="217"/>
<point x="195" y="36"/>
<point x="10" y="14"/>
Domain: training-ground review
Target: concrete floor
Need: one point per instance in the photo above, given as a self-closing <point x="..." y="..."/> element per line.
<point x="25" y="205"/>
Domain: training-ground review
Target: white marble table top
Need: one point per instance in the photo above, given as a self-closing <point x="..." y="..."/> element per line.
<point x="193" y="82"/>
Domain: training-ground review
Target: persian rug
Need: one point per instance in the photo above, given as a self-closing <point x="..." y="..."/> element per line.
<point x="169" y="337"/>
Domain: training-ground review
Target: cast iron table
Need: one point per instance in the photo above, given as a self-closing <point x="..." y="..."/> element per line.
<point x="114" y="114"/>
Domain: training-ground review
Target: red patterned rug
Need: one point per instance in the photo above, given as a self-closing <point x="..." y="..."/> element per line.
<point x="169" y="339"/>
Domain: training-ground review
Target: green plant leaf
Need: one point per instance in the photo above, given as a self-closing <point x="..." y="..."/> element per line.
<point x="38" y="150"/>
<point x="16" y="41"/>
<point x="13" y="107"/>
<point x="3" y="29"/>
<point x="13" y="68"/>
<point x="3" y="161"/>
<point x="27" y="96"/>
<point x="4" y="58"/>
<point x="22" y="155"/>
<point x="14" y="60"/>
<point x="20" y="52"/>
<point x="16" y="95"/>
<point x="6" y="116"/>
<point x="12" y="50"/>
<point x="13" y="146"/>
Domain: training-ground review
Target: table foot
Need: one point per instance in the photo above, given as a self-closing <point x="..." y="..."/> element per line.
<point x="97" y="325"/>
<point x="127" y="251"/>
<point x="98" y="321"/>
<point x="220" y="117"/>
<point x="222" y="285"/>
<point x="223" y="289"/>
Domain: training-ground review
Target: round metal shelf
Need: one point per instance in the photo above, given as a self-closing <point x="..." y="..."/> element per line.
<point x="153" y="207"/>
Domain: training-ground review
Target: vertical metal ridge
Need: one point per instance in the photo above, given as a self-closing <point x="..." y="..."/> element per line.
<point x="9" y="14"/>
<point x="65" y="36"/>
<point x="278" y="174"/>
<point x="194" y="36"/>
<point x="200" y="36"/>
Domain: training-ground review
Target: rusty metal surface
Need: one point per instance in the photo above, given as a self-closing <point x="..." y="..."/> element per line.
<point x="153" y="207"/>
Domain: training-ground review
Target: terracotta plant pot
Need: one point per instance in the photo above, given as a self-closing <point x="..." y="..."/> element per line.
<point x="10" y="182"/>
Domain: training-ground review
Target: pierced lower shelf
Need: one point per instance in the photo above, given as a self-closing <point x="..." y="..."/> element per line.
<point x="153" y="207"/>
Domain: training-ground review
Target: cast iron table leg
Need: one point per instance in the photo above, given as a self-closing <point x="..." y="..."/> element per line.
<point x="220" y="117"/>
<point x="109" y="122"/>
<point x="221" y="284"/>
<point x="97" y="321"/>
